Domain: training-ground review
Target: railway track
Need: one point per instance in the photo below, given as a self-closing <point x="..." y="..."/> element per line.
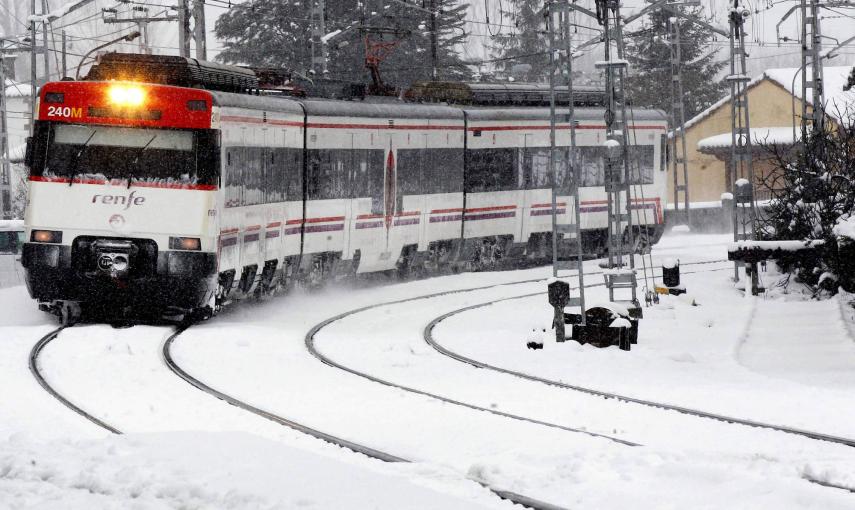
<point x="40" y="378"/>
<point x="430" y="340"/>
<point x="427" y="335"/>
<point x="386" y="456"/>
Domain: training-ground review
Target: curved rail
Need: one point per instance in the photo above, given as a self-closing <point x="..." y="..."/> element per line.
<point x="429" y="339"/>
<point x="337" y="441"/>
<point x="34" y="368"/>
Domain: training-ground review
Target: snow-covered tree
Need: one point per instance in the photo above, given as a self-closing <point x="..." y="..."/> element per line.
<point x="813" y="188"/>
<point x="851" y="82"/>
<point x="275" y="33"/>
<point x="649" y="53"/>
<point x="522" y="48"/>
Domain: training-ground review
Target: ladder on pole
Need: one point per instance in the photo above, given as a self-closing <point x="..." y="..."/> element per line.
<point x="564" y="256"/>
<point x="811" y="47"/>
<point x="741" y="157"/>
<point x="620" y="276"/>
<point x="677" y="121"/>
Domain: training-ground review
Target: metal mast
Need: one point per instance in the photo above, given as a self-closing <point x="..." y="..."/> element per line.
<point x="811" y="47"/>
<point x="617" y="170"/>
<point x="741" y="162"/>
<point x="319" y="49"/>
<point x="183" y="28"/>
<point x="5" y="169"/>
<point x="677" y="120"/>
<point x="569" y="189"/>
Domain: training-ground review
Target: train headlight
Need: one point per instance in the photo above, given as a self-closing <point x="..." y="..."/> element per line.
<point x="46" y="236"/>
<point x="126" y="95"/>
<point x="185" y="243"/>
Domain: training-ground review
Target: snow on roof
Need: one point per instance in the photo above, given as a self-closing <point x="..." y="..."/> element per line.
<point x="759" y="136"/>
<point x="835" y="78"/>
<point x="15" y="89"/>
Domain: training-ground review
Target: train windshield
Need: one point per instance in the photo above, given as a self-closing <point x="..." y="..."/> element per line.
<point x="167" y="156"/>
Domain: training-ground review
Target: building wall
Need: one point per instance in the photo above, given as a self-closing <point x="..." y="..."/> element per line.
<point x="770" y="105"/>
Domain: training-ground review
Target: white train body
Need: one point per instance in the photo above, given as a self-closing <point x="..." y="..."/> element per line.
<point x="269" y="189"/>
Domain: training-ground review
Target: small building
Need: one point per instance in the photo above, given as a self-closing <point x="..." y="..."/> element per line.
<point x="775" y="110"/>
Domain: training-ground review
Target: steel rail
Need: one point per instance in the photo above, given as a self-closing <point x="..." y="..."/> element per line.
<point x="328" y="438"/>
<point x="430" y="340"/>
<point x="36" y="371"/>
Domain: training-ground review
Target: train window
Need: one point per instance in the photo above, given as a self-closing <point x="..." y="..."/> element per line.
<point x="233" y="176"/>
<point x="290" y="163"/>
<point x="140" y="154"/>
<point x="442" y="171"/>
<point x="591" y="169"/>
<point x="641" y="164"/>
<point x="491" y="170"/>
<point x="536" y="167"/>
<point x="343" y="173"/>
<point x="9" y="242"/>
<point x="410" y="171"/>
<point x="372" y="165"/>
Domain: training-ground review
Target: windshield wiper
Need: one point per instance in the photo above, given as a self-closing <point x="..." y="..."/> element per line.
<point x="137" y="158"/>
<point x="73" y="167"/>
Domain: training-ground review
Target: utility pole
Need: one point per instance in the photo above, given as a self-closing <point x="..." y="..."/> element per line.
<point x="5" y="168"/>
<point x="741" y="158"/>
<point x="570" y="190"/>
<point x="199" y="29"/>
<point x="183" y="29"/>
<point x="319" y="49"/>
<point x="33" y="64"/>
<point x="45" y="40"/>
<point x="677" y="120"/>
<point x="434" y="59"/>
<point x="64" y="69"/>
<point x="811" y="47"/>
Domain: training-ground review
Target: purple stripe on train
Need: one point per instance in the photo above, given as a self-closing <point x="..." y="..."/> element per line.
<point x="369" y="224"/>
<point x="449" y="217"/>
<point x="292" y="230"/>
<point x="324" y="228"/>
<point x="249" y="238"/>
<point x="604" y="208"/>
<point x="271" y="234"/>
<point x="491" y="216"/>
<point x="547" y="212"/>
<point x="225" y="243"/>
<point x="406" y="221"/>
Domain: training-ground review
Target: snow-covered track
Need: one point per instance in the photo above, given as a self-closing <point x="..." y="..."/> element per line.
<point x="337" y="441"/>
<point x="180" y="372"/>
<point x="430" y="340"/>
<point x="36" y="371"/>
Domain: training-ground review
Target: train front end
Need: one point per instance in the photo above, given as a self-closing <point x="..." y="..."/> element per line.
<point x="122" y="202"/>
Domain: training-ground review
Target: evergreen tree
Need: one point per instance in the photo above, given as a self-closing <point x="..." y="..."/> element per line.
<point x="851" y="82"/>
<point x="275" y="33"/>
<point x="812" y="191"/>
<point x="649" y="53"/>
<point x="525" y="45"/>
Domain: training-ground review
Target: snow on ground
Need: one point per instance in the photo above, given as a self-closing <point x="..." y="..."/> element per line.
<point x="226" y="458"/>
<point x="803" y="341"/>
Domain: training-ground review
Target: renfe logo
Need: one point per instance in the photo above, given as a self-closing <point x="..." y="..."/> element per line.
<point x="127" y="201"/>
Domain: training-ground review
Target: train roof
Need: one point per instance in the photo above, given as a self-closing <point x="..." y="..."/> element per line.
<point x="380" y="108"/>
<point x="518" y="113"/>
<point x="391" y="108"/>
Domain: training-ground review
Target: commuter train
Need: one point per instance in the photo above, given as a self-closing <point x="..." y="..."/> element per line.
<point x="180" y="197"/>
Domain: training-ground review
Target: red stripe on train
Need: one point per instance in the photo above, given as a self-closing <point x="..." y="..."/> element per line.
<point x="123" y="182"/>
